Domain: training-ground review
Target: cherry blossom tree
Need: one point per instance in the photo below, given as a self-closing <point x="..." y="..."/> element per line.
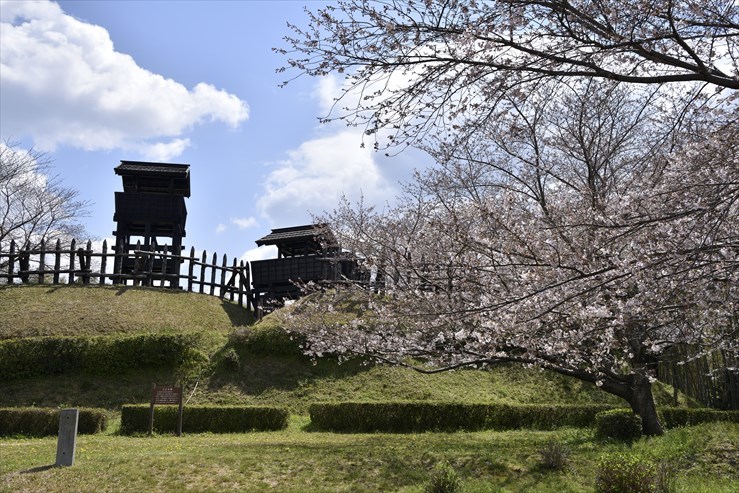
<point x="419" y="66"/>
<point x="583" y="216"/>
<point x="34" y="205"/>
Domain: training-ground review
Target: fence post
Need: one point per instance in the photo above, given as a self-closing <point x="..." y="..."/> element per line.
<point x="118" y="260"/>
<point x="190" y="269"/>
<point x="11" y="259"/>
<point x="57" y="261"/>
<point x="246" y="286"/>
<point x="223" y="276"/>
<point x="202" y="272"/>
<point x="71" y="260"/>
<point x="236" y="280"/>
<point x="42" y="261"/>
<point x="150" y="263"/>
<point x="213" y="274"/>
<point x="241" y="285"/>
<point x="84" y="263"/>
<point x="24" y="262"/>
<point x="103" y="259"/>
<point x="136" y="264"/>
<point x="88" y="258"/>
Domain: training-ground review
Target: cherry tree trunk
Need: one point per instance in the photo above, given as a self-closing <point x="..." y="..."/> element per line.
<point x="642" y="403"/>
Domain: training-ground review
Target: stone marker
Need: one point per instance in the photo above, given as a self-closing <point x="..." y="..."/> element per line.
<point x="67" y="442"/>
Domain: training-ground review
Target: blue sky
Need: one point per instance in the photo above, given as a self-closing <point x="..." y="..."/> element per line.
<point x="95" y="82"/>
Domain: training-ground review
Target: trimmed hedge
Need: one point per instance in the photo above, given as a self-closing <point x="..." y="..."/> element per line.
<point x="624" y="425"/>
<point x="41" y="356"/>
<point x="672" y="417"/>
<point x="38" y="422"/>
<point x="618" y="424"/>
<point x="200" y="419"/>
<point x="408" y="417"/>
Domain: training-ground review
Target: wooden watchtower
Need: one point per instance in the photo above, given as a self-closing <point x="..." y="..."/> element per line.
<point x="151" y="211"/>
<point x="305" y="253"/>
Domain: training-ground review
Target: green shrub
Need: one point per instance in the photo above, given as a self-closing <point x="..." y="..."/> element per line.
<point x="554" y="455"/>
<point x="200" y="419"/>
<point x="444" y="479"/>
<point x="665" y="478"/>
<point x="92" y="421"/>
<point x="191" y="364"/>
<point x="266" y="340"/>
<point x="38" y="422"/>
<point x="672" y="417"/>
<point x="230" y="360"/>
<point x="618" y="424"/>
<point x="409" y="417"/>
<point x="41" y="356"/>
<point x="631" y="473"/>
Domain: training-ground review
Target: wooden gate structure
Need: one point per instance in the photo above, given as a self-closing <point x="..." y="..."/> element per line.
<point x="308" y="253"/>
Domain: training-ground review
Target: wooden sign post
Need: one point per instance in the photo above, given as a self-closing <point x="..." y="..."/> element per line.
<point x="166" y="395"/>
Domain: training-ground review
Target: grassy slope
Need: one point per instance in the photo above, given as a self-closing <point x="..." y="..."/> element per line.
<point x="295" y="384"/>
<point x="28" y="311"/>
<point x="704" y="457"/>
<point x="290" y="381"/>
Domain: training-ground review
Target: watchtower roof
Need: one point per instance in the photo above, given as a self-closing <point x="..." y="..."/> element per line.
<point x="146" y="177"/>
<point x="300" y="240"/>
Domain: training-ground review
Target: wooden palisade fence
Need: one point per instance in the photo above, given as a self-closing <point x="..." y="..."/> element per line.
<point x="147" y="266"/>
<point x="711" y="379"/>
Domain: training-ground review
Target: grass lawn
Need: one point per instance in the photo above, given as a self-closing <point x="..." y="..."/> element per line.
<point x="705" y="457"/>
<point x="294" y="460"/>
<point x="46" y="310"/>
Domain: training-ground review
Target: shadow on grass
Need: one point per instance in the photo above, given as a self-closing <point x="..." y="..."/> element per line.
<point x="84" y="390"/>
<point x="38" y="469"/>
<point x="259" y="374"/>
<point x="256" y="376"/>
<point x="237" y="314"/>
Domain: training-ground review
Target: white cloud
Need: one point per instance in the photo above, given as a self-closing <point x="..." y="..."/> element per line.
<point x="239" y="222"/>
<point x="327" y="91"/>
<point x="260" y="253"/>
<point x="244" y="222"/>
<point x="164" y="151"/>
<point x="317" y="174"/>
<point x="62" y="82"/>
<point x="28" y="175"/>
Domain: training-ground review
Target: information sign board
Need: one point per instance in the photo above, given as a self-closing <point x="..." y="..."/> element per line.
<point x="167" y="395"/>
